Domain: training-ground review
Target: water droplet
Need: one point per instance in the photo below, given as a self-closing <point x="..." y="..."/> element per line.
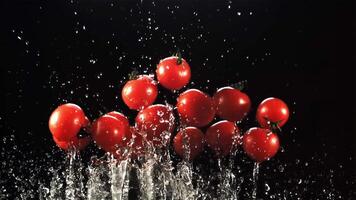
<point x="267" y="188"/>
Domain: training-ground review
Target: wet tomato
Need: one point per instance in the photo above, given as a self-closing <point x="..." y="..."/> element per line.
<point x="272" y="112"/>
<point x="66" y="121"/>
<point x="189" y="142"/>
<point x="77" y="143"/>
<point x="153" y="121"/>
<point x="173" y="73"/>
<point x="231" y="104"/>
<point x="135" y="141"/>
<point x="222" y="137"/>
<point x="139" y="93"/>
<point x="195" y="108"/>
<point x="260" y="144"/>
<point x="111" y="132"/>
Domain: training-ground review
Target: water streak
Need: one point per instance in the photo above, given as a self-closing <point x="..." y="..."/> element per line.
<point x="256" y="168"/>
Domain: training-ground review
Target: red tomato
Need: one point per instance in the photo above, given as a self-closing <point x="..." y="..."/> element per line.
<point x="87" y="126"/>
<point x="111" y="132"/>
<point x="139" y="93"/>
<point x="193" y="138"/>
<point x="78" y="143"/>
<point x="173" y="74"/>
<point x="272" y="112"/>
<point x="117" y="115"/>
<point x="153" y="121"/>
<point x="66" y="121"/>
<point x="220" y="137"/>
<point x="195" y="108"/>
<point x="260" y="144"/>
<point x="231" y="104"/>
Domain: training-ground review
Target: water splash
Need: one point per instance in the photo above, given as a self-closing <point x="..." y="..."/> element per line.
<point x="158" y="177"/>
<point x="184" y="182"/>
<point x="256" y="170"/>
<point x="74" y="177"/>
<point x="230" y="186"/>
<point x="97" y="186"/>
<point x="119" y="179"/>
<point x="145" y="176"/>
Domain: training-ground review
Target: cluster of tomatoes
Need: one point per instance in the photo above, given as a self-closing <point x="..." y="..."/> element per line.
<point x="196" y="109"/>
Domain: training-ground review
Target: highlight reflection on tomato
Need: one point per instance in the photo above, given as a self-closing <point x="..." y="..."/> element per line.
<point x="260" y="144"/>
<point x="193" y="138"/>
<point x="111" y="132"/>
<point x="220" y="137"/>
<point x="173" y="73"/>
<point x="139" y="93"/>
<point x="195" y="108"/>
<point x="231" y="104"/>
<point x="272" y="112"/>
<point x="66" y="121"/>
<point x="153" y="121"/>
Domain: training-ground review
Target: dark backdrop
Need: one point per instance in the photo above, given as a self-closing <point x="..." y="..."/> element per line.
<point x="81" y="51"/>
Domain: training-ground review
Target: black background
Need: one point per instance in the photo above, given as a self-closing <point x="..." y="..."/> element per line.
<point x="299" y="51"/>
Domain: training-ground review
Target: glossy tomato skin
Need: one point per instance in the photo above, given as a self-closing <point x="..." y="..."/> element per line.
<point x="273" y="110"/>
<point x="260" y="144"/>
<point x="231" y="104"/>
<point x="111" y="133"/>
<point x="193" y="137"/>
<point x="195" y="108"/>
<point x="172" y="75"/>
<point x="119" y="116"/>
<point x="66" y="121"/>
<point x="153" y="121"/>
<point x="77" y="143"/>
<point x="139" y="93"/>
<point x="220" y="137"/>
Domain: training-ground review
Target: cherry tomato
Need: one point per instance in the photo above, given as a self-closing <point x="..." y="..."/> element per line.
<point x="153" y="121"/>
<point x="220" y="137"/>
<point x="173" y="73"/>
<point x="272" y="112"/>
<point x="111" y="132"/>
<point x="195" y="108"/>
<point x="139" y="93"/>
<point x="231" y="104"/>
<point x="66" y="121"/>
<point x="260" y="144"/>
<point x="77" y="143"/>
<point x="193" y="138"/>
<point x="117" y="115"/>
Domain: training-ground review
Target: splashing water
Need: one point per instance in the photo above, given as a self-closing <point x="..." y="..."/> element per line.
<point x="146" y="179"/>
<point x="156" y="175"/>
<point x="157" y="178"/>
<point x="119" y="179"/>
<point x="56" y="186"/>
<point x="184" y="182"/>
<point x="256" y="169"/>
<point x="74" y="176"/>
<point x="97" y="180"/>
